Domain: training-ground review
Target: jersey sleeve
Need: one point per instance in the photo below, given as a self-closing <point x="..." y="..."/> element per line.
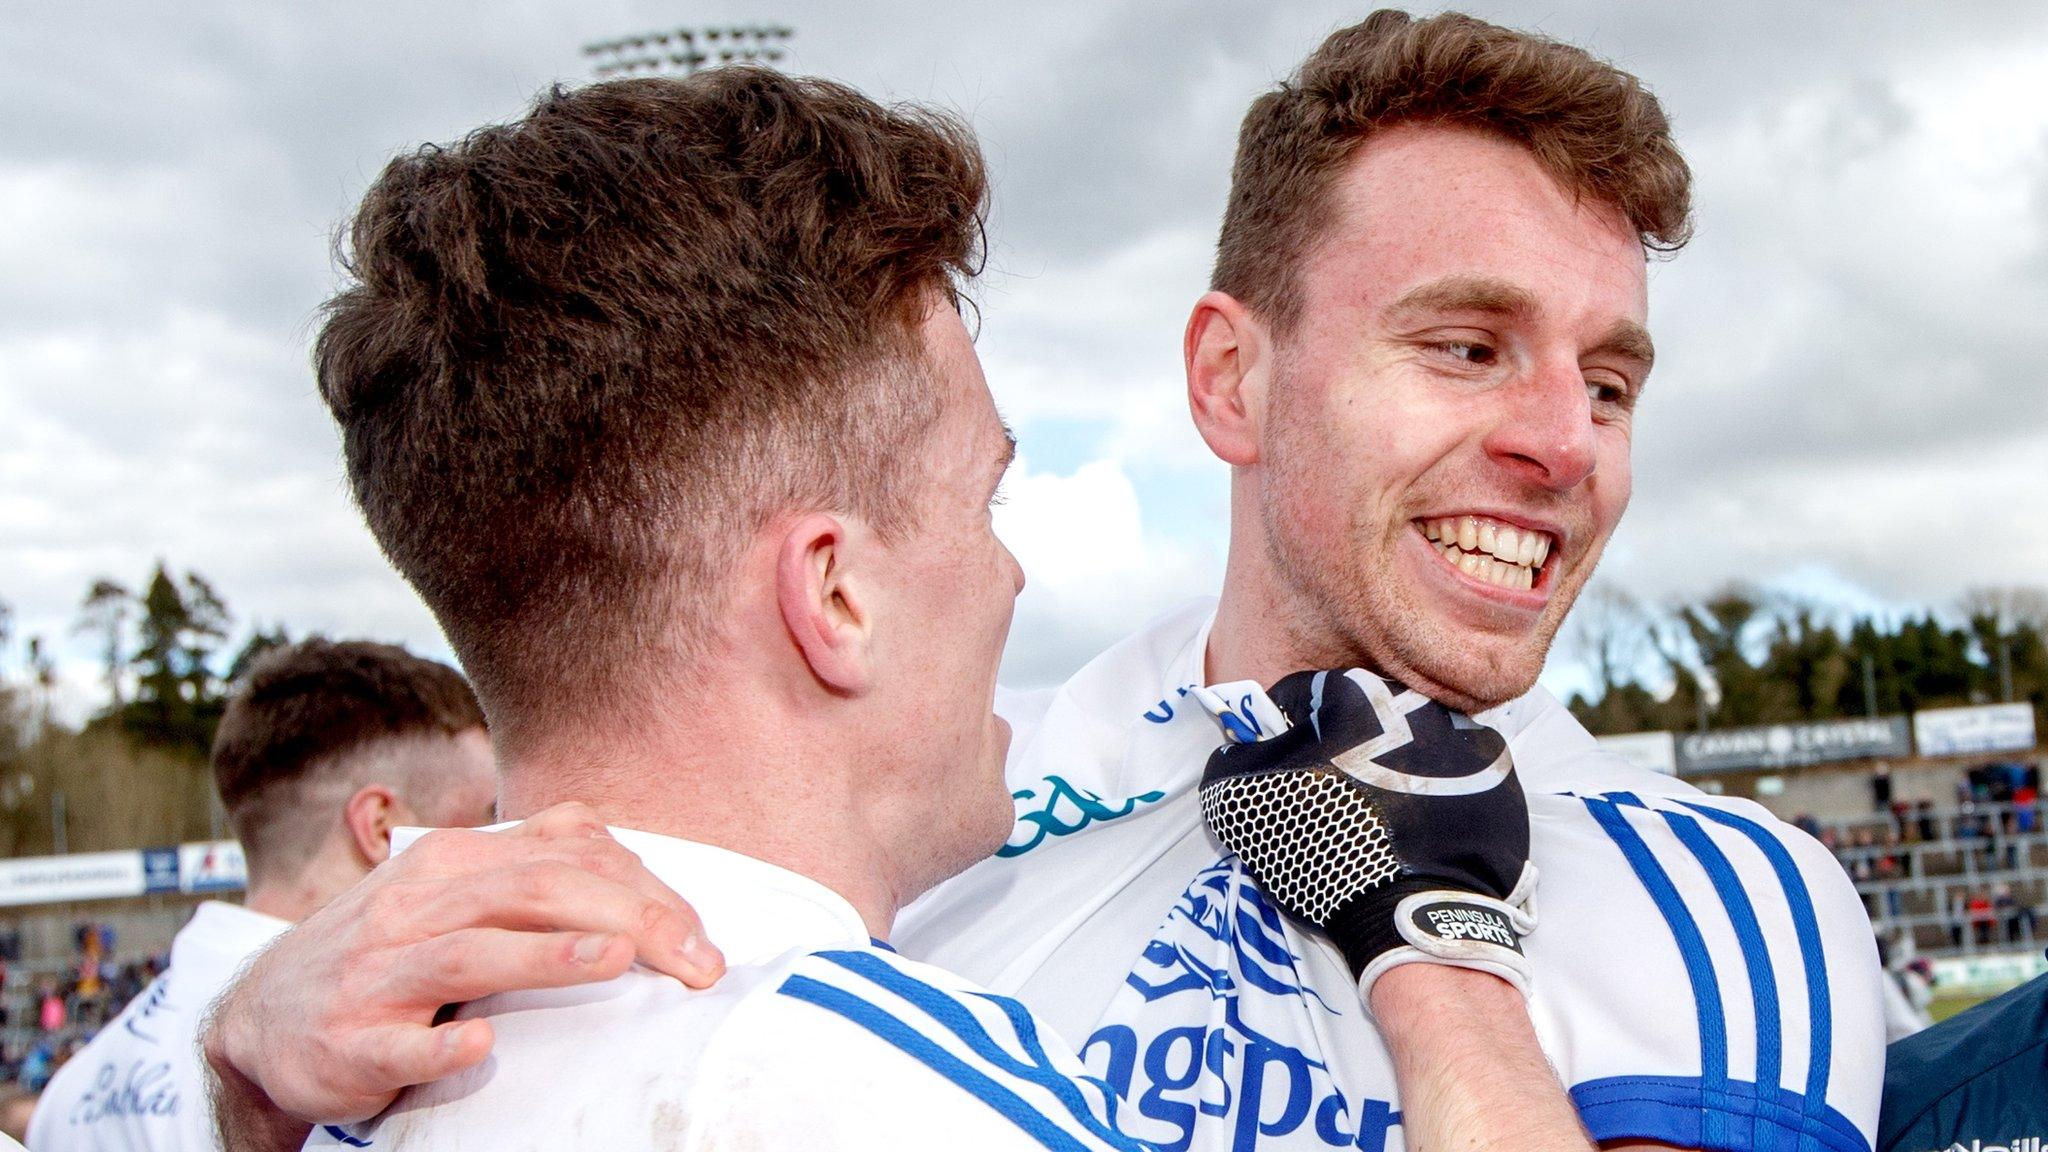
<point x="856" y="1049"/>
<point x="1713" y="981"/>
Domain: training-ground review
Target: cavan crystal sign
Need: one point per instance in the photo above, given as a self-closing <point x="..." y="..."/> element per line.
<point x="1793" y="745"/>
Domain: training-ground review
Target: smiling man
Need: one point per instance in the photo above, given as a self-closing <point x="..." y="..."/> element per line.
<point x="1420" y="356"/>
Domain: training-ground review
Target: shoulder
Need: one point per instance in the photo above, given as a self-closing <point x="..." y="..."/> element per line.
<point x="1698" y="948"/>
<point x="1554" y="752"/>
<point x="950" y="1063"/>
<point x="609" y="1064"/>
<point x="1974" y="1076"/>
<point x="1707" y="861"/>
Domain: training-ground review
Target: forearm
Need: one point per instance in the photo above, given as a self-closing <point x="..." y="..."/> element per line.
<point x="243" y="1115"/>
<point x="1470" y="1071"/>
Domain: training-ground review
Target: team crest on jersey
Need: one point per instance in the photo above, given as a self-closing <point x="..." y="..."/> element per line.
<point x="1057" y="808"/>
<point x="1213" y="1040"/>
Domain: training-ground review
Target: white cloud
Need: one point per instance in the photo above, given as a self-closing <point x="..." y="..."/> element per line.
<point x="1852" y="348"/>
<point x="1093" y="570"/>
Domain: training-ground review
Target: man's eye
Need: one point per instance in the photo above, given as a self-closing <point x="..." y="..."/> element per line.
<point x="1606" y="392"/>
<point x="1470" y="351"/>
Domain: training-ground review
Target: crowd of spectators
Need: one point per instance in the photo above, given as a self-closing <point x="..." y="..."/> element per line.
<point x="1971" y="867"/>
<point x="47" y="1013"/>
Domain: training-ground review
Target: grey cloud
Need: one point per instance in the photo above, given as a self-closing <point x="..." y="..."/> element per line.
<point x="172" y="173"/>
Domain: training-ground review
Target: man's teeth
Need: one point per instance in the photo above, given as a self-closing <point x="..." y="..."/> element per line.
<point x="1489" y="550"/>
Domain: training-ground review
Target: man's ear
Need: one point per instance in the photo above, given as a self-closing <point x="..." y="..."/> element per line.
<point x="823" y="607"/>
<point x="371" y="814"/>
<point x="1229" y="361"/>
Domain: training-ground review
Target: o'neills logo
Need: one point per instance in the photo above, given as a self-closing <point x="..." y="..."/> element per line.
<point x="2016" y="1144"/>
<point x="1467" y="922"/>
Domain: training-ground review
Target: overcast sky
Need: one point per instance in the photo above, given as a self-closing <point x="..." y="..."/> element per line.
<point x="1851" y="398"/>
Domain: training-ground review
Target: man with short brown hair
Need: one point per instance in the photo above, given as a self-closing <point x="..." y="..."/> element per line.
<point x="326" y="746"/>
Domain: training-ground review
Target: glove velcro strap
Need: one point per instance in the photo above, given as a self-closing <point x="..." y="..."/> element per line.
<point x="1445" y="926"/>
<point x="1453" y="925"/>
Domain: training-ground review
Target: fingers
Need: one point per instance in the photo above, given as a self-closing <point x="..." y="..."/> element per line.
<point x="387" y="1060"/>
<point x="478" y="962"/>
<point x="553" y="896"/>
<point x="570" y="819"/>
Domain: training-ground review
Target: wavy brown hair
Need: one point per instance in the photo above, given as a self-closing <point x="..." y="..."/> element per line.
<point x="1593" y="126"/>
<point x="588" y="353"/>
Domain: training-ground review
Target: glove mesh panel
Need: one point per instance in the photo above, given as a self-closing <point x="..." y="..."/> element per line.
<point x="1310" y="837"/>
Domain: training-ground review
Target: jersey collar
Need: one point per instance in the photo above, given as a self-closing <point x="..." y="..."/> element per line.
<point x="751" y="909"/>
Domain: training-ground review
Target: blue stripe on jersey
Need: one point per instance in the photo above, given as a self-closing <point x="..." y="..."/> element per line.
<point x="342" y="1135"/>
<point x="947" y="1011"/>
<point x="1806" y="924"/>
<point x="1756" y="954"/>
<point x="920" y="1048"/>
<point x="1692" y="947"/>
<point x="1675" y="1109"/>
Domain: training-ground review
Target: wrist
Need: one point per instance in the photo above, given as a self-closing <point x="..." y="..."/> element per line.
<point x="245" y="1119"/>
<point x="1415" y="1000"/>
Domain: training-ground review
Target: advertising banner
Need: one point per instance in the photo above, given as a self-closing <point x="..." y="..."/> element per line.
<point x="1793" y="745"/>
<point x="207" y="866"/>
<point x="160" y="869"/>
<point x="84" y="876"/>
<point x="212" y="866"/>
<point x="1656" y="751"/>
<point x="1987" y="975"/>
<point x="1968" y="731"/>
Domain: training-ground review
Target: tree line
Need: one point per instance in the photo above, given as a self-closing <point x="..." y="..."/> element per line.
<point x="1740" y="656"/>
<point x="135" y="772"/>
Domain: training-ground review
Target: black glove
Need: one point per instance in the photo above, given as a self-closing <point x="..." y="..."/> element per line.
<point x="1392" y="823"/>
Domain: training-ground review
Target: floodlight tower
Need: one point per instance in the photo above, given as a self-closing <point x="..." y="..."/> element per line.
<point x="684" y="50"/>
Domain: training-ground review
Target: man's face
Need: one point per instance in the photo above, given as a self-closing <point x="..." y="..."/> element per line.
<point x="1447" y="431"/>
<point x="951" y="589"/>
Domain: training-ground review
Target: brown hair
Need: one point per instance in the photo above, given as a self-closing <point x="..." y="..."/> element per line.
<point x="1595" y="127"/>
<point x="303" y="709"/>
<point x="589" y="353"/>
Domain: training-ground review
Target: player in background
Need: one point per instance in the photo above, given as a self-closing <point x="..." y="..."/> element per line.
<point x="1421" y="357"/>
<point x="1977" y="1080"/>
<point x="325" y="747"/>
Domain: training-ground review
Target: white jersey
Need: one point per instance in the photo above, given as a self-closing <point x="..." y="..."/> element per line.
<point x="1704" y="975"/>
<point x="139" y="1086"/>
<point x="817" y="1037"/>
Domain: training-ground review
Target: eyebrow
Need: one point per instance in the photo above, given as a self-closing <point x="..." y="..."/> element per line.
<point x="1629" y="340"/>
<point x="1008" y="455"/>
<point x="1490" y="297"/>
<point x="1466" y="294"/>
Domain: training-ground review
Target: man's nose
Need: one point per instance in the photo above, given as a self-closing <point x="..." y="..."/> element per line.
<point x="1545" y="428"/>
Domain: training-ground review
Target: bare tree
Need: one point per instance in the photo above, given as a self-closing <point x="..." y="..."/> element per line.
<point x="104" y="614"/>
<point x="1610" y="632"/>
<point x="2009" y="607"/>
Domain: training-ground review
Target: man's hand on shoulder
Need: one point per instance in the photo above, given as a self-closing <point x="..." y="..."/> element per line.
<point x="339" y="1014"/>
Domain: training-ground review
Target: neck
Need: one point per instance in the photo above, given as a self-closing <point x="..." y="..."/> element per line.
<point x="1260" y="634"/>
<point x="294" y="898"/>
<point x="765" y="793"/>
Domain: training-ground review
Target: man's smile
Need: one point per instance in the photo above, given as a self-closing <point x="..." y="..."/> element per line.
<point x="1491" y="551"/>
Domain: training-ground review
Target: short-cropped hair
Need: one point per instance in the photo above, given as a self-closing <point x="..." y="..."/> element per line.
<point x="588" y="354"/>
<point x="1597" y="130"/>
<point x="306" y="709"/>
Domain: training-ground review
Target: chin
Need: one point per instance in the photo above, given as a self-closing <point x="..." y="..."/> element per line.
<point x="1475" y="690"/>
<point x="1462" y="676"/>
